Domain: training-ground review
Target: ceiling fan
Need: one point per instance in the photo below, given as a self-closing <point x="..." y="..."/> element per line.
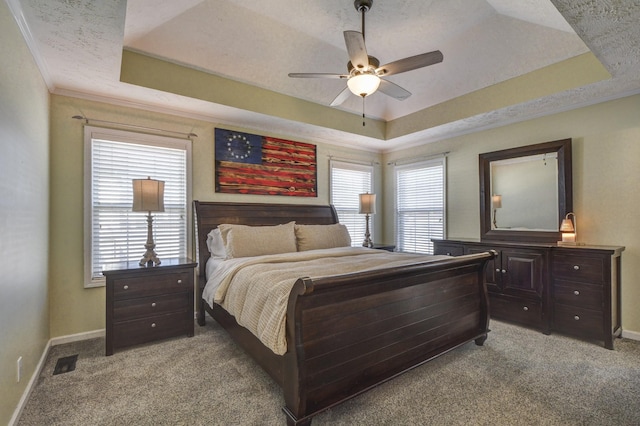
<point x="364" y="71"/>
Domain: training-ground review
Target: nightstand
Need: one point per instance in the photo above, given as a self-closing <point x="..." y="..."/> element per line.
<point x="387" y="247"/>
<point x="145" y="304"/>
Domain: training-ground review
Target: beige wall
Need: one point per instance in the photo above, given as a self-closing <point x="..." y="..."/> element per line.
<point x="75" y="309"/>
<point x="606" y="172"/>
<point x="24" y="205"/>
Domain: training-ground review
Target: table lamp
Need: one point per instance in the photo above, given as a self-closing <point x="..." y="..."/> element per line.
<point x="367" y="207"/>
<point x="148" y="196"/>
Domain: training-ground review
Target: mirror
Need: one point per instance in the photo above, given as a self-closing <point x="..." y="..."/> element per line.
<point x="525" y="192"/>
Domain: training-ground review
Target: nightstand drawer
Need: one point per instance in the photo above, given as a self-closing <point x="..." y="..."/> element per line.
<point x="127" y="333"/>
<point x="125" y="288"/>
<point x="147" y="306"/>
<point x="576" y="294"/>
<point x="578" y="321"/>
<point x="578" y="268"/>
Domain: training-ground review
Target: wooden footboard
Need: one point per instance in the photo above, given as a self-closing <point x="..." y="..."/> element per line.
<point x="350" y="333"/>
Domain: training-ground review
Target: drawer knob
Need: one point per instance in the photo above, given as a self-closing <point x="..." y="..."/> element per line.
<point x="179" y="281"/>
<point x="153" y="325"/>
<point x="448" y="254"/>
<point x="576" y="292"/>
<point x="153" y="305"/>
<point x="497" y="269"/>
<point x="504" y="271"/>
<point x="576" y="267"/>
<point x="126" y="287"/>
<point x="526" y="308"/>
<point x="577" y="318"/>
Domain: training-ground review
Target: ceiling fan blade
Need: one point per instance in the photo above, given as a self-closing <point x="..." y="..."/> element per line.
<point x="410" y="63"/>
<point x="393" y="90"/>
<point x="316" y="75"/>
<point x="357" y="50"/>
<point x="342" y="96"/>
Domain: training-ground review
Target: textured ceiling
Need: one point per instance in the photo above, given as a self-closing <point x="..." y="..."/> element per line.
<point x="78" y="45"/>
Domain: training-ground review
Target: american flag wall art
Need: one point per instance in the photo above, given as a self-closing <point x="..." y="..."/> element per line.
<point x="254" y="164"/>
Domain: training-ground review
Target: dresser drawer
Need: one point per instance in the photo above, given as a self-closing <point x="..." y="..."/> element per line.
<point x="578" y="268"/>
<point x="528" y="312"/>
<point x="577" y="294"/>
<point x="148" y="306"/>
<point x="125" y="288"/>
<point x="127" y="333"/>
<point x="578" y="321"/>
<point x="448" y="249"/>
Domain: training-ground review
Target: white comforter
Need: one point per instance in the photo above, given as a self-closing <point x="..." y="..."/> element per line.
<point x="255" y="290"/>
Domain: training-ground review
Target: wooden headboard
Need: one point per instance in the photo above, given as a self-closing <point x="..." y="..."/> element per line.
<point x="208" y="215"/>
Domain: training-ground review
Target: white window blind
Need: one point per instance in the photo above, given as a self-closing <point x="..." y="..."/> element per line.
<point x="114" y="232"/>
<point x="420" y="205"/>
<point x="348" y="181"/>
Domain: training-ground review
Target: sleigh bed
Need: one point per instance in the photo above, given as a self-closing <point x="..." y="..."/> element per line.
<point x="348" y="333"/>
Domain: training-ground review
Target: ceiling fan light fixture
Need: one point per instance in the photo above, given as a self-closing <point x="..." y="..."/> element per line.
<point x="363" y="84"/>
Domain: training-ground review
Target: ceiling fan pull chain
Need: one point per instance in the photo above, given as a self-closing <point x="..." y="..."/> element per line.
<point x="363" y="111"/>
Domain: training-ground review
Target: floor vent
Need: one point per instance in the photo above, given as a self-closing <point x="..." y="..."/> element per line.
<point x="66" y="364"/>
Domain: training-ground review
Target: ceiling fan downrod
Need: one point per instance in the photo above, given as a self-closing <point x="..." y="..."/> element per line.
<point x="362" y="6"/>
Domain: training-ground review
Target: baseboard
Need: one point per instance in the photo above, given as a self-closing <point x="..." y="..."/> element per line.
<point x="34" y="377"/>
<point x="77" y="337"/>
<point x="633" y="335"/>
<point x="27" y="391"/>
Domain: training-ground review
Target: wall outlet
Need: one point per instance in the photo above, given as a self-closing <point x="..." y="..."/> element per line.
<point x="19" y="369"/>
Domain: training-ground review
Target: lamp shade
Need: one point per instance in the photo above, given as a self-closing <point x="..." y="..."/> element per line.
<point x="567" y="226"/>
<point x="148" y="195"/>
<point x="496" y="200"/>
<point x="367" y="203"/>
<point x="363" y="84"/>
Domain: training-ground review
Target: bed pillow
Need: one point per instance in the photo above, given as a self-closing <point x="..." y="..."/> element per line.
<point x="246" y="241"/>
<point x="215" y="243"/>
<point x="313" y="237"/>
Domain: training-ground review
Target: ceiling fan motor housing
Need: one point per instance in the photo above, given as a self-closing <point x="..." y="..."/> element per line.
<point x="363" y="5"/>
<point x="374" y="63"/>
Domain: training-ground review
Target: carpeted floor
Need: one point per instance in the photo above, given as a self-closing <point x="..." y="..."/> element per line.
<point x="519" y="377"/>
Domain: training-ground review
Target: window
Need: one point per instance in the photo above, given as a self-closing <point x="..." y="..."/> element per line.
<point x="348" y="181"/>
<point x="113" y="233"/>
<point x="420" y="205"/>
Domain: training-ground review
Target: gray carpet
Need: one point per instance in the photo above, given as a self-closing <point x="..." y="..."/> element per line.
<point x="519" y="377"/>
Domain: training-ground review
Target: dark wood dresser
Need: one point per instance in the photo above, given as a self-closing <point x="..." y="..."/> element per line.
<point x="574" y="290"/>
<point x="148" y="303"/>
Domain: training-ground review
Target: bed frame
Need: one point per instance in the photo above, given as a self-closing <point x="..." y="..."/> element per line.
<point x="350" y="333"/>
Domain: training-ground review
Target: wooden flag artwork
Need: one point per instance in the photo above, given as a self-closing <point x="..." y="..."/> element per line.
<point x="253" y="164"/>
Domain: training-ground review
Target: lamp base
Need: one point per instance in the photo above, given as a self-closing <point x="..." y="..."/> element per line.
<point x="150" y="258"/>
<point x="569" y="244"/>
<point x="367" y="235"/>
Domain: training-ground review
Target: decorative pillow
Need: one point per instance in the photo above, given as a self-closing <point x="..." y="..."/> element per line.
<point x="245" y="241"/>
<point x="313" y="237"/>
<point x="215" y="243"/>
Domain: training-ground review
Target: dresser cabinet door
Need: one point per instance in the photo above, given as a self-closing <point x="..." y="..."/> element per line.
<point x="492" y="273"/>
<point x="522" y="273"/>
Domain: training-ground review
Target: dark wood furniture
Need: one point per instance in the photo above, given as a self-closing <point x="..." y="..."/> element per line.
<point x="387" y="247"/>
<point x="517" y="279"/>
<point x="347" y="334"/>
<point x="560" y="148"/>
<point x="570" y="289"/>
<point x="148" y="303"/>
<point x="586" y="292"/>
